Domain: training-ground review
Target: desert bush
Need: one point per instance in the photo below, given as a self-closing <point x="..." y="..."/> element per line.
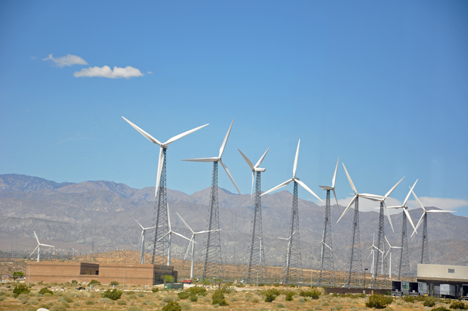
<point x="132" y="296"/>
<point x="114" y="294"/>
<point x="314" y="293"/>
<point x="155" y="289"/>
<point x="254" y="299"/>
<point x="183" y="295"/>
<point x="270" y="297"/>
<point x="198" y="290"/>
<point x="94" y="282"/>
<point x="34" y="301"/>
<point x="387" y="309"/>
<point x="141" y="295"/>
<point x="20" y="289"/>
<point x="457" y="305"/>
<point x="45" y="290"/>
<point x="429" y="301"/>
<point x="106" y="301"/>
<point x="280" y="305"/>
<point x="121" y="302"/>
<point x="319" y="308"/>
<point x="440" y="309"/>
<point x="134" y="308"/>
<point x="172" y="306"/>
<point x="218" y="298"/>
<point x="193" y="298"/>
<point x="301" y="300"/>
<point x="325" y="304"/>
<point x="185" y="306"/>
<point x="58" y="308"/>
<point x="378" y="301"/>
<point x="89" y="302"/>
<point x="338" y="307"/>
<point x="409" y="299"/>
<point x="65" y="298"/>
<point x="167" y="299"/>
<point x="289" y="296"/>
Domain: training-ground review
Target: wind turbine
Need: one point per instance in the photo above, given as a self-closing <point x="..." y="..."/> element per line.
<point x="160" y="216"/>
<point x="390" y="252"/>
<point x="373" y="248"/>
<point x="326" y="256"/>
<point x="192" y="243"/>
<point x="288" y="247"/>
<point x="355" y="260"/>
<point x="38" y="247"/>
<point x="404" y="254"/>
<point x="142" y="239"/>
<point x="381" y="232"/>
<point x="294" y="250"/>
<point x="255" y="248"/>
<point x="213" y="261"/>
<point x="423" y="219"/>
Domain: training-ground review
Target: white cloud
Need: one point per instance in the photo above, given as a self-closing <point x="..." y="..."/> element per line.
<point x="68" y="60"/>
<point x="106" y="72"/>
<point x="150" y="73"/>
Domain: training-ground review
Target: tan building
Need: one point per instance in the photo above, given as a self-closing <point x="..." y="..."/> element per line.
<point x="62" y="272"/>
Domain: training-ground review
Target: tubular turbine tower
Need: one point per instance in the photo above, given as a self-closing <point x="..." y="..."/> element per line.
<point x="212" y="261"/>
<point x="292" y="271"/>
<point x="160" y="244"/>
<point x="327" y="263"/>
<point x="255" y="268"/>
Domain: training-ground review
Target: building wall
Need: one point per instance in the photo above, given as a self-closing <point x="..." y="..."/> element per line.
<point x="62" y="272"/>
<point x="442" y="273"/>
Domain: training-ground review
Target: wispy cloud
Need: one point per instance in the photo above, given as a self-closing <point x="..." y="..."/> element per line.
<point x="68" y="60"/>
<point x="106" y="72"/>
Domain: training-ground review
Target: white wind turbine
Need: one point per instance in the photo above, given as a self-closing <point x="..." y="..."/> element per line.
<point x="170" y="233"/>
<point x="423" y="219"/>
<point x="289" y="243"/>
<point x="296" y="180"/>
<point x="373" y="248"/>
<point x="192" y="243"/>
<point x="390" y="252"/>
<point x="254" y="168"/>
<point x="38" y="247"/>
<point x="163" y="146"/>
<point x="142" y="239"/>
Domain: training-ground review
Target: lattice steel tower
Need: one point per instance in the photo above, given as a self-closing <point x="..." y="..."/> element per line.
<point x="255" y="266"/>
<point x="380" y="280"/>
<point x="355" y="259"/>
<point x="160" y="243"/>
<point x="212" y="258"/>
<point x="292" y="272"/>
<point x="425" y="242"/>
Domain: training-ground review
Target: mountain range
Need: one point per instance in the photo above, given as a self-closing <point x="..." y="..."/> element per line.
<point x="78" y="215"/>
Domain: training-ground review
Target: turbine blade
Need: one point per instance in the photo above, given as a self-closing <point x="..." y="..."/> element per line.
<point x="188" y="247"/>
<point x="137" y="222"/>
<point x="336" y="199"/>
<point x="230" y="176"/>
<point x="388" y="242"/>
<point x="253" y="178"/>
<point x="177" y="137"/>
<point x="185" y="223"/>
<point x="303" y="185"/>
<point x="33" y="251"/>
<point x="278" y="187"/>
<point x="206" y="231"/>
<point x="36" y="238"/>
<point x="389" y="218"/>
<point x="295" y="159"/>
<point x="181" y="236"/>
<point x="160" y="166"/>
<point x="334" y="175"/>
<point x="409" y="193"/>
<point x="46" y="245"/>
<point x="409" y="218"/>
<point x="223" y="145"/>
<point x="261" y="159"/>
<point x="347" y="208"/>
<point x="247" y="160"/>
<point x="393" y="188"/>
<point x="212" y="159"/>
<point x="419" y="223"/>
<point x="148" y="136"/>
<point x="349" y="179"/>
<point x="440" y="211"/>
<point x="417" y="199"/>
<point x="168" y="216"/>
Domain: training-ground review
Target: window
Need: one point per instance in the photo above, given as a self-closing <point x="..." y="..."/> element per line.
<point x="451" y="270"/>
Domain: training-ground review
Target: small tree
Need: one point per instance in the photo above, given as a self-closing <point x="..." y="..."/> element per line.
<point x="20" y="289"/>
<point x="172" y="306"/>
<point x="168" y="279"/>
<point x="112" y="294"/>
<point x="114" y="283"/>
<point x="45" y="290"/>
<point x="17" y="274"/>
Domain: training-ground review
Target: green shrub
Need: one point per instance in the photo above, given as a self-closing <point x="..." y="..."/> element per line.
<point x="387" y="309"/>
<point x="378" y="301"/>
<point x="193" y="298"/>
<point x="94" y="282"/>
<point x="168" y="279"/>
<point x="112" y="294"/>
<point x="65" y="298"/>
<point x="457" y="305"/>
<point x="314" y="293"/>
<point x="172" y="306"/>
<point x="280" y="305"/>
<point x="325" y="304"/>
<point x="429" y="301"/>
<point x="185" y="306"/>
<point x="134" y="308"/>
<point x="269" y="297"/>
<point x="254" y="299"/>
<point x="45" y="290"/>
<point x="440" y="309"/>
<point x="74" y="282"/>
<point x="198" y="290"/>
<point x="89" y="302"/>
<point x="106" y="300"/>
<point x="218" y="298"/>
<point x="168" y="299"/>
<point x="155" y="289"/>
<point x="122" y="302"/>
<point x="141" y="295"/>
<point x="289" y="296"/>
<point x="183" y="295"/>
<point x="20" y="289"/>
<point x="58" y="308"/>
<point x="410" y="299"/>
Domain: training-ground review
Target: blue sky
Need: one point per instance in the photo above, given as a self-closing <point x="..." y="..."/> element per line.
<point x="382" y="85"/>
